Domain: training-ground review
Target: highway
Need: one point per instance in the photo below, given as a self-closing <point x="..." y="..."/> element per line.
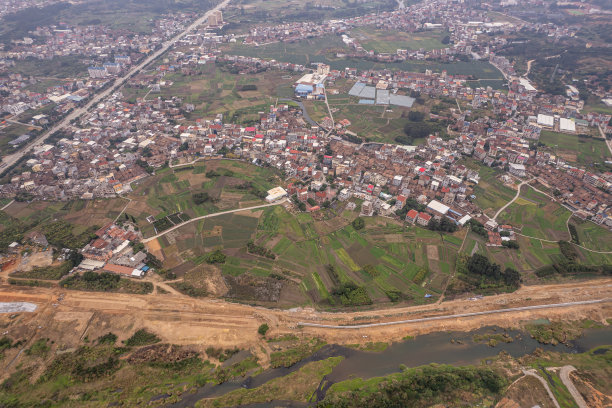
<point x="456" y="316"/>
<point x="40" y="140"/>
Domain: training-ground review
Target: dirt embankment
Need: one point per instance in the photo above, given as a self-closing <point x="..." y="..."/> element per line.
<point x="206" y="322"/>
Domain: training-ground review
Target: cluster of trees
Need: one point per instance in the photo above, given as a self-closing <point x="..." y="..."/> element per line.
<point x="511" y="244"/>
<point x="216" y="257"/>
<point x="478" y="228"/>
<point x="569" y="264"/>
<point x="59" y="234"/>
<point x="103" y="282"/>
<point x="480" y="265"/>
<point x="252" y="248"/>
<point x="411" y="204"/>
<point x="574" y="233"/>
<point x="422" y="386"/>
<point x="300" y="205"/>
<point x="444" y="225"/>
<point x="349" y="294"/>
<point x="12" y="231"/>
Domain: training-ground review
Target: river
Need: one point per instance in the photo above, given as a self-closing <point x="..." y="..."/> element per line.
<point x="455" y="348"/>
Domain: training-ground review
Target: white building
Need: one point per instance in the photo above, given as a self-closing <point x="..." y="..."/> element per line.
<point x="276" y="194"/>
<point x="97" y="72"/>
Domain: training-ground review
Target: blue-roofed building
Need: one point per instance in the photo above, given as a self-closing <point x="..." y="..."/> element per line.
<point x="303" y="90"/>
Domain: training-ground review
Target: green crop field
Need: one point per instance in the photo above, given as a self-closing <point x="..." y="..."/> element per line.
<point x="583" y="150"/>
<point x="171" y="191"/>
<point x="491" y="194"/>
<point x="592" y="236"/>
<point x="536" y="216"/>
<point x="212" y="90"/>
<point x="388" y="41"/>
<point x="377" y="258"/>
<point x="324" y="49"/>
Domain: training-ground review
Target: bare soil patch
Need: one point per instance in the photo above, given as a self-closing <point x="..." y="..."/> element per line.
<point x="432" y="253"/>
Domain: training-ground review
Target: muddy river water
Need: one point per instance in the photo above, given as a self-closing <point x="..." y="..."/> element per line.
<point x="456" y="348"/>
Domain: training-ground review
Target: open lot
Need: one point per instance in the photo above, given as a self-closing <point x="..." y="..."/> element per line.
<point x="388" y="41"/>
<point x="583" y="150"/>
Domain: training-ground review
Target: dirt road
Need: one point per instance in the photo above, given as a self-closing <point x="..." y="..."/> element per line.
<point x="184" y="320"/>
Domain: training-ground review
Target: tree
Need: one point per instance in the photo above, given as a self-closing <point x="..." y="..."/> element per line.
<point x="200" y="198"/>
<point x="358" y="223"/>
<point x="263" y="329"/>
<point x="416" y="116"/>
<point x="512" y="277"/>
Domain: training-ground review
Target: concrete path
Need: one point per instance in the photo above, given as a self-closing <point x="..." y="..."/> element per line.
<point x="209" y="216"/>
<point x="564" y="373"/>
<point x="7" y="206"/>
<point x="518" y="193"/>
<point x="535" y="374"/>
<point x="455" y="316"/>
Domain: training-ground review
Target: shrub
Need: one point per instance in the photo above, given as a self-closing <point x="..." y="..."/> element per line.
<point x="216" y="257"/>
<point x="263" y="329"/>
<point x="108" y="338"/>
<point x="141" y="338"/>
<point x="358" y="223"/>
<point x="200" y="198"/>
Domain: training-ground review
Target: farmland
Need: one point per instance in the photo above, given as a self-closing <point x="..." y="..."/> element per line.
<point x="536" y="216"/>
<point x="592" y="236"/>
<point x="324" y="49"/>
<point x="575" y="149"/>
<point x="170" y="191"/>
<point x="212" y="90"/>
<point x="81" y="214"/>
<point x="491" y="194"/>
<point x="388" y="41"/>
<point x="313" y="257"/>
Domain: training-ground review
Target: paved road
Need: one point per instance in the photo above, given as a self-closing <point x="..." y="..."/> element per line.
<point x="567" y="381"/>
<point x="211" y="215"/>
<point x="518" y="193"/>
<point x="455" y="316"/>
<point x="40" y="140"/>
